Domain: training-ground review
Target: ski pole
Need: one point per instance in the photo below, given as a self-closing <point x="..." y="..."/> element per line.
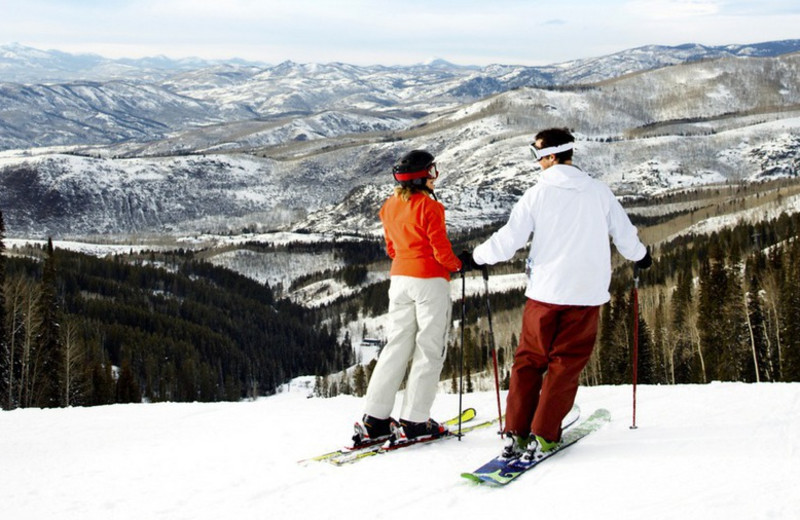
<point x="635" y="339"/>
<point x="461" y="354"/>
<point x="485" y="271"/>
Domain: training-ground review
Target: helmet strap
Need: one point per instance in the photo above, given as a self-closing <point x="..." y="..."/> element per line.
<point x="430" y="191"/>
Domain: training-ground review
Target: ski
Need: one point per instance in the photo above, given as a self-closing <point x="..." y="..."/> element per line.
<point x="466" y="416"/>
<point x="389" y="446"/>
<point x="499" y="471"/>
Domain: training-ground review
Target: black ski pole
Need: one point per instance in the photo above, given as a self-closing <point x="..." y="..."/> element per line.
<point x="461" y="354"/>
<point x="485" y="271"/>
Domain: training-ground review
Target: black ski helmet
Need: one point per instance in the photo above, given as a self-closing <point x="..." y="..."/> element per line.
<point x="415" y="168"/>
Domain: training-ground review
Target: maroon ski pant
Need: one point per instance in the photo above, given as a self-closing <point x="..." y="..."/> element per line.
<point x="554" y="346"/>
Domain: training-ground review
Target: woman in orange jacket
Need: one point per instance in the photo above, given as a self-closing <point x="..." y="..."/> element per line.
<point x="419" y="302"/>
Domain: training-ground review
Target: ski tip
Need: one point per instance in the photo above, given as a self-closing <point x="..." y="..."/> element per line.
<point x="472" y="478"/>
<point x="602" y="413"/>
<point x="466" y="415"/>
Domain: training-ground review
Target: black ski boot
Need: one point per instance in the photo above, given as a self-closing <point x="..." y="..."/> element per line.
<point x="372" y="431"/>
<point x="420" y="430"/>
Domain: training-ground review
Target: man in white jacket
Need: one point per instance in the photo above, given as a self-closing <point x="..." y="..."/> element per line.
<point x="571" y="217"/>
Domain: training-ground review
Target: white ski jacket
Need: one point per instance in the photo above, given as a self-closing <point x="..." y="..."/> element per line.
<point x="571" y="217"/>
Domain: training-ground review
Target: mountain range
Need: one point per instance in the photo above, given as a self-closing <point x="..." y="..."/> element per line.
<point x="161" y="146"/>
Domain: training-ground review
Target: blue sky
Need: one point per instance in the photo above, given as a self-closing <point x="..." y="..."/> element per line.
<point x="468" y="32"/>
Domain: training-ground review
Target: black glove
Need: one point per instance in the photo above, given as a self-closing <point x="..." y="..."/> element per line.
<point x="467" y="262"/>
<point x="646" y="260"/>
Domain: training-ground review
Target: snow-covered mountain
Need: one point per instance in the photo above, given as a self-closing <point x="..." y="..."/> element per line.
<point x="699" y="122"/>
<point x="90" y="100"/>
<point x="23" y="64"/>
<point x="325" y="167"/>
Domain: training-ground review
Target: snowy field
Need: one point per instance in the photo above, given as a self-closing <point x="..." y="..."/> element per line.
<point x="719" y="451"/>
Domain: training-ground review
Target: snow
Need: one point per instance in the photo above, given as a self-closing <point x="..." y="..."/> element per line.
<point x="717" y="451"/>
<point x="169" y="243"/>
<point x="762" y="213"/>
<point x="87" y="248"/>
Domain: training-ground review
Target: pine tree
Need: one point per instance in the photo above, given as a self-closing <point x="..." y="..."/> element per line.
<point x="790" y="303"/>
<point x="721" y="318"/>
<point x="615" y="340"/>
<point x="359" y="381"/>
<point x="683" y="353"/>
<point x="5" y="353"/>
<point x="346" y="352"/>
<point x="647" y="369"/>
<point x="127" y="388"/>
<point x="48" y="343"/>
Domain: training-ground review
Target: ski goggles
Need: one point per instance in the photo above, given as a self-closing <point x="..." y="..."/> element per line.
<point x="431" y="172"/>
<point x="540" y="154"/>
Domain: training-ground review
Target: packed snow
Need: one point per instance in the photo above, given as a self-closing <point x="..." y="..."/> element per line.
<point x="717" y="451"/>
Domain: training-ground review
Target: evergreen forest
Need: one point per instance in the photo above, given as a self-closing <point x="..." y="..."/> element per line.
<point x="82" y="330"/>
<point x="713" y="307"/>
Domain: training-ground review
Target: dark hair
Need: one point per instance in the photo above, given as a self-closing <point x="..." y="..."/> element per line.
<point x="556" y="137"/>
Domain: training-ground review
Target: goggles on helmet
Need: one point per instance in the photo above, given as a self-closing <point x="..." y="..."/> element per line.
<point x="540" y="154"/>
<point x="431" y="172"/>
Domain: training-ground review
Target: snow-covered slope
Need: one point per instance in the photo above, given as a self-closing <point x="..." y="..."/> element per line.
<point x="710" y="452"/>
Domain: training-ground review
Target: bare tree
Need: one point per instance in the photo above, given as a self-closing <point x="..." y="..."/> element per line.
<point x="751" y="335"/>
<point x="771" y="285"/>
<point x="29" y="388"/>
<point x="73" y="376"/>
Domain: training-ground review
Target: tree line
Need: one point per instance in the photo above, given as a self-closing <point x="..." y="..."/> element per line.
<point x="718" y="307"/>
<point x="713" y="307"/>
<point x="81" y="330"/>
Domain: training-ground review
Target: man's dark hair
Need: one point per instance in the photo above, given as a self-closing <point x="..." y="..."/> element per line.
<point x="556" y="137"/>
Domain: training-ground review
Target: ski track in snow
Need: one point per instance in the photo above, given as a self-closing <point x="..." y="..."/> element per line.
<point x="717" y="451"/>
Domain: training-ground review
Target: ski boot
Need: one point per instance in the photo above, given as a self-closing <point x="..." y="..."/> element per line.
<point x="417" y="431"/>
<point x="537" y="449"/>
<point x="514" y="446"/>
<point x="372" y="431"/>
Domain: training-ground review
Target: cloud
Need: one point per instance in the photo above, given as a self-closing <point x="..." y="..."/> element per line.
<point x="388" y="31"/>
<point x="555" y="22"/>
<point x="670" y="9"/>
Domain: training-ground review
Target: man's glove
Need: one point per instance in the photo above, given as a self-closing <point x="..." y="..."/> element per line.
<point x="467" y="262"/>
<point x="646" y="260"/>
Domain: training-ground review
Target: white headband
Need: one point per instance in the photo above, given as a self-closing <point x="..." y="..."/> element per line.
<point x="552" y="150"/>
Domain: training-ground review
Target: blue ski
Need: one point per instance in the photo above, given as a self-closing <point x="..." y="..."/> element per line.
<point x="500" y="471"/>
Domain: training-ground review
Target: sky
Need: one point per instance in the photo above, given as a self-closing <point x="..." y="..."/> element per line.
<point x="389" y="32"/>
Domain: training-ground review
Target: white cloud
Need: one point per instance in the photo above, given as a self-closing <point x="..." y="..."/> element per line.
<point x="388" y="31"/>
<point x="661" y="9"/>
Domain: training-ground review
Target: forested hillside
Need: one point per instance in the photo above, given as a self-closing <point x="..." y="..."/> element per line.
<point x="78" y="329"/>
<point x="718" y="306"/>
<point x="81" y="330"/>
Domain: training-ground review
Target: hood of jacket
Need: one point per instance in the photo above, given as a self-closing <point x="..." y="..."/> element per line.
<point x="566" y="177"/>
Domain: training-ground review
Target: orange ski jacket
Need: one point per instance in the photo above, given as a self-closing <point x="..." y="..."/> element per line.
<point x="416" y="237"/>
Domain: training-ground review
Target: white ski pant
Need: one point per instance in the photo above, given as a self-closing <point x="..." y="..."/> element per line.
<point x="419" y="315"/>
